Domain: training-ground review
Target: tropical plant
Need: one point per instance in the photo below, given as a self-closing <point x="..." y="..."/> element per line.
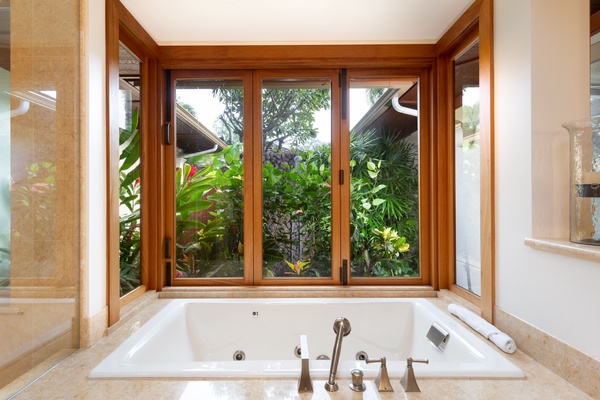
<point x="470" y="123"/>
<point x="296" y="215"/>
<point x="129" y="206"/>
<point x="211" y="245"/>
<point x="298" y="267"/>
<point x="34" y="210"/>
<point x="34" y="197"/>
<point x="384" y="195"/>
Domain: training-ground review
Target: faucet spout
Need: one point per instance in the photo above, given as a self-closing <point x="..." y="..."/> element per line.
<point x="341" y="327"/>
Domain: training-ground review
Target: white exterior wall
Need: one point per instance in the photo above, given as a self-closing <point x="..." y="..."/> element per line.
<point x="541" y="61"/>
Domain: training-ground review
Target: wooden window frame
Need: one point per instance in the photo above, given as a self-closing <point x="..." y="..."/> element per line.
<point x="253" y="275"/>
<point x="432" y="58"/>
<point x="121" y="27"/>
<point x="249" y="183"/>
<point x="475" y="23"/>
<point x="333" y="76"/>
<point x="426" y="191"/>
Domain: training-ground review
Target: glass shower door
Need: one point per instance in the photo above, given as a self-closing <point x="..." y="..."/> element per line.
<point x="40" y="186"/>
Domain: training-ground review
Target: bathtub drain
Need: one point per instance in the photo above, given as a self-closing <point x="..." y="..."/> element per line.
<point x="239" y="356"/>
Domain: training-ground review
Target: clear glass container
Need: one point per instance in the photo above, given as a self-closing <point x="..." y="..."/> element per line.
<point x="584" y="180"/>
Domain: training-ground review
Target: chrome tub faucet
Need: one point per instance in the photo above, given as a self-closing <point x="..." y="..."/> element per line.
<point x="341" y="327"/>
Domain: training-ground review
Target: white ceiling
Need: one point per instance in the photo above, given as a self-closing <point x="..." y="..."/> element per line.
<point x="296" y="22"/>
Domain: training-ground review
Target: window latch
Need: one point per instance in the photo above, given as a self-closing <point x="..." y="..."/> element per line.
<point x="167" y="128"/>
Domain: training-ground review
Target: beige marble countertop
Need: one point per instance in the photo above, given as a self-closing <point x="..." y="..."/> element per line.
<point x="68" y="380"/>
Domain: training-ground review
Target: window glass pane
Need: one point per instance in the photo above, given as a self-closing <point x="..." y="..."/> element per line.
<point x="384" y="187"/>
<point x="5" y="162"/>
<point x="467" y="178"/>
<point x="595" y="75"/>
<point x="129" y="170"/>
<point x="209" y="178"/>
<point x="296" y="148"/>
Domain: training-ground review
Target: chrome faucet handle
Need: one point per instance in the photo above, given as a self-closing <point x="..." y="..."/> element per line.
<point x="304" y="382"/>
<point x="383" y="380"/>
<point x="408" y="381"/>
<point x="357" y="381"/>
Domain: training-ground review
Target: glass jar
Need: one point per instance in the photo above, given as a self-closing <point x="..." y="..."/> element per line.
<point x="584" y="180"/>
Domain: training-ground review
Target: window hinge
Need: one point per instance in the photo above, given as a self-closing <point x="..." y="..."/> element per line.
<point x="168" y="274"/>
<point x="168" y="248"/>
<point x="344" y="273"/>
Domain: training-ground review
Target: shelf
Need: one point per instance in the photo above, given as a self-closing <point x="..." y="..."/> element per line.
<point x="565" y="248"/>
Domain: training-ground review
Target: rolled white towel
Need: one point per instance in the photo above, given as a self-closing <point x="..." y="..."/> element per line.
<point x="504" y="342"/>
<point x="487" y="330"/>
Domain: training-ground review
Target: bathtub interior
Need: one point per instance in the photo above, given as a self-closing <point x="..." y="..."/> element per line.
<point x="200" y="338"/>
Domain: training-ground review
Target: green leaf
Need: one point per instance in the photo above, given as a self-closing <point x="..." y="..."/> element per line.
<point x="131" y="217"/>
<point x="195" y="206"/>
<point x="377" y="189"/>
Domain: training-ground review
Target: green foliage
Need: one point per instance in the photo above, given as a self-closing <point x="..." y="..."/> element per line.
<point x="296" y="200"/>
<point x="288" y="115"/>
<point x="213" y="185"/>
<point x="129" y="206"/>
<point x="33" y="212"/>
<point x="231" y="122"/>
<point x="34" y="197"/>
<point x="187" y="107"/>
<point x="470" y="123"/>
<point x="297" y="213"/>
<point x="297" y="217"/>
<point x="373" y="94"/>
<point x="384" y="198"/>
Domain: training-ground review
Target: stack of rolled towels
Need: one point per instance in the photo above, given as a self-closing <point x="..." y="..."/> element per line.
<point x="489" y="331"/>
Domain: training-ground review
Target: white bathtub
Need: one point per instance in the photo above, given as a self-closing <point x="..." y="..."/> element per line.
<point x="198" y="338"/>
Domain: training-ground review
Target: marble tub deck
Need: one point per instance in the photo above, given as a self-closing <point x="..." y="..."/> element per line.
<point x="68" y="380"/>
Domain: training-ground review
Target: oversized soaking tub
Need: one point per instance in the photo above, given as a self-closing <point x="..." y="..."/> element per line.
<point x="260" y="338"/>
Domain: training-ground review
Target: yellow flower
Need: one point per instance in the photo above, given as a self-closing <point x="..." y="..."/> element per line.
<point x="298" y="267"/>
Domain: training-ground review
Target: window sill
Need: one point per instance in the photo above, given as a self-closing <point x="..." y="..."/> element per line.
<point x="565" y="248"/>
